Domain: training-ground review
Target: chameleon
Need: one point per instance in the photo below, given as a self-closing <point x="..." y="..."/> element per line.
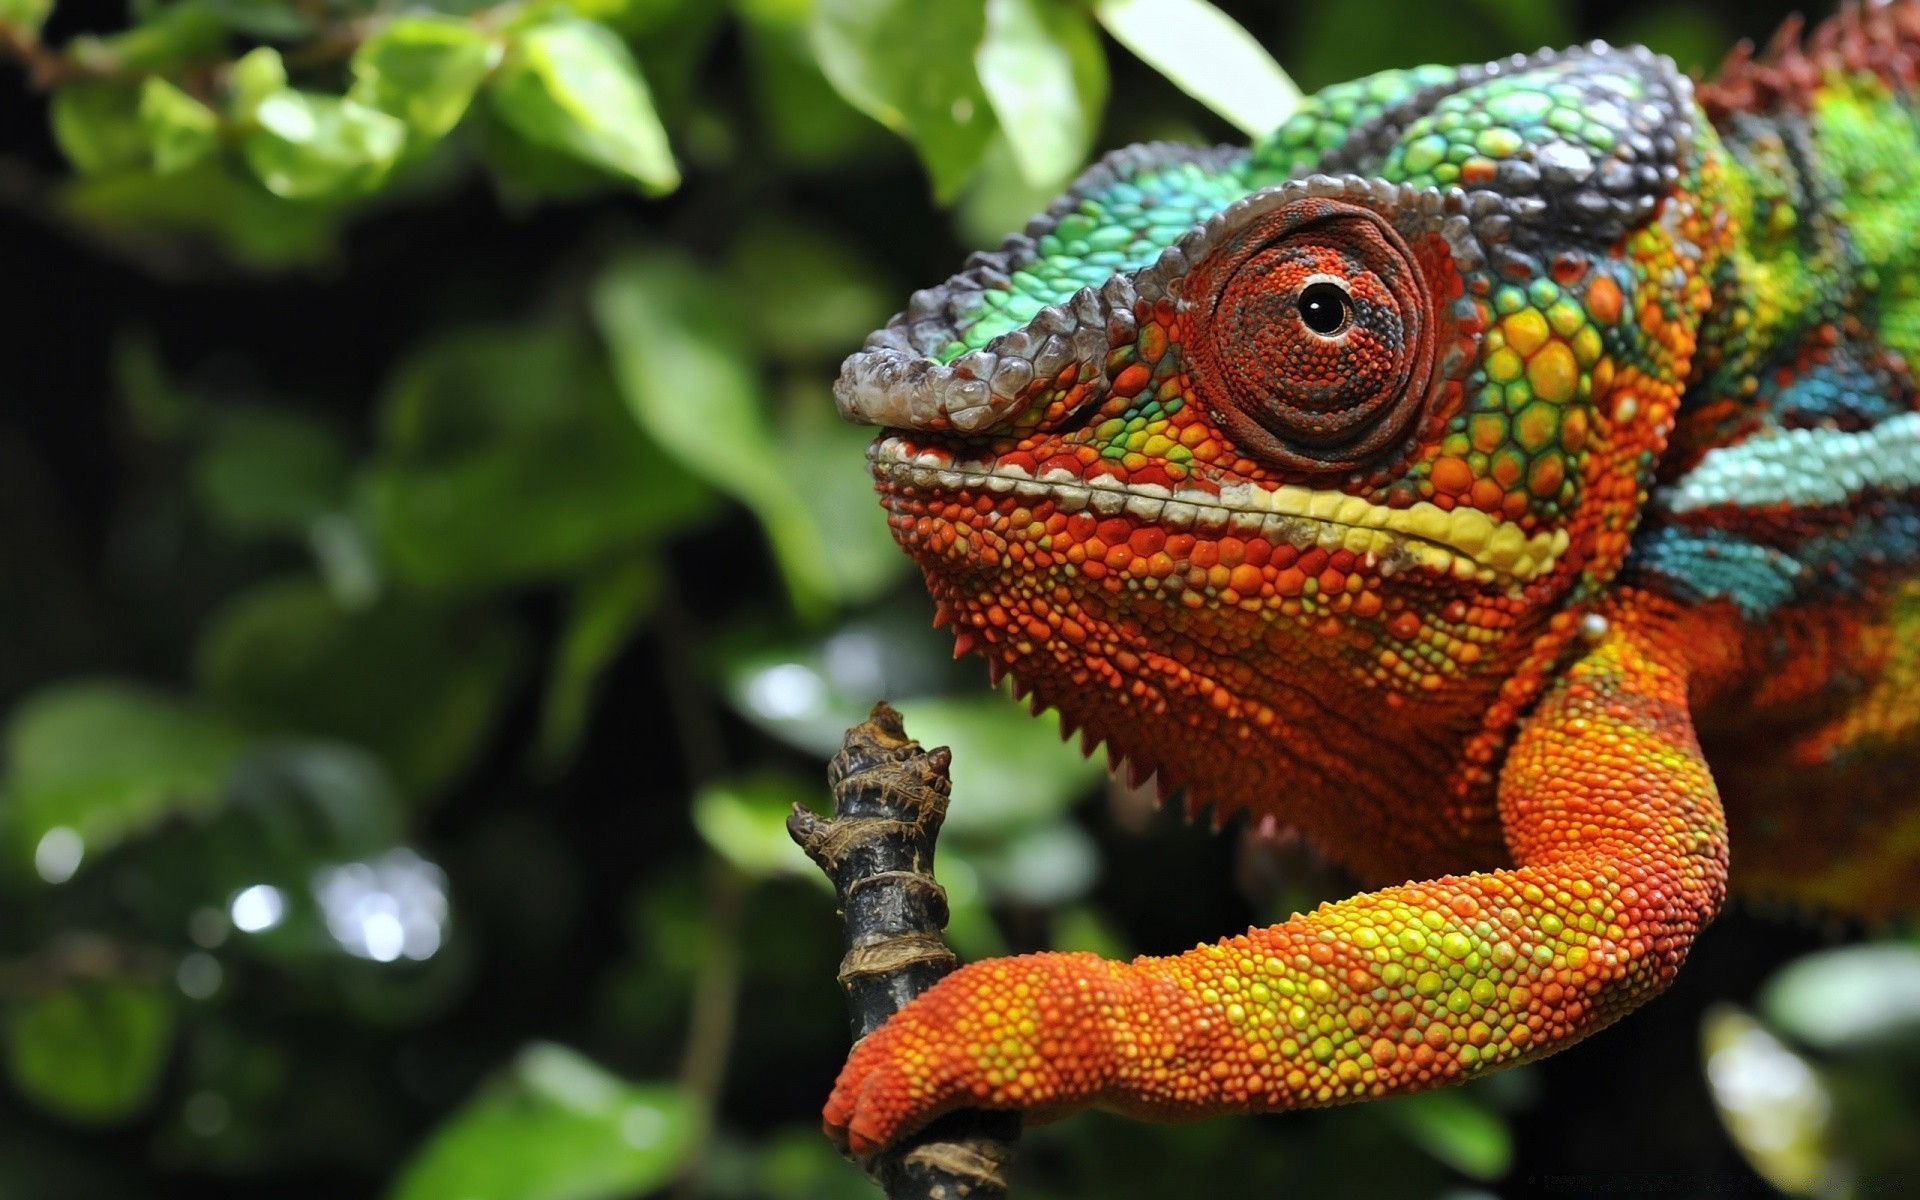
<point x="1505" y="476"/>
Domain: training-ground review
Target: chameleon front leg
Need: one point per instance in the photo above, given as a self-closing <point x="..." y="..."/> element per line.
<point x="1617" y="829"/>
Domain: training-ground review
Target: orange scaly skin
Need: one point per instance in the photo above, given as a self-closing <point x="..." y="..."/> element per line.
<point x="1424" y="478"/>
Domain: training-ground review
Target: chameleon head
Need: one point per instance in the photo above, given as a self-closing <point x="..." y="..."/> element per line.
<point x="1229" y="466"/>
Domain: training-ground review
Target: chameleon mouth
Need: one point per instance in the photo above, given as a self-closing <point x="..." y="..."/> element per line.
<point x="1461" y="543"/>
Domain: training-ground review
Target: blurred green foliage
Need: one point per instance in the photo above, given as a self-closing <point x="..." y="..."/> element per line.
<point x="404" y="690"/>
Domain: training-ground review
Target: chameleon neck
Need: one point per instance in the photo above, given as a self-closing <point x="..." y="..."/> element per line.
<point x="1817" y="300"/>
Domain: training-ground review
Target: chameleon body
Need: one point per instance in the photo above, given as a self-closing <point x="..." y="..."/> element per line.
<point x="1509" y="477"/>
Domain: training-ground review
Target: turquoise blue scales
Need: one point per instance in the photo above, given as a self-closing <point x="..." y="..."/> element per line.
<point x="1787" y="515"/>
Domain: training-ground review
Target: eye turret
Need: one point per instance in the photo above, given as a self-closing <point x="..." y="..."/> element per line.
<point x="1312" y="337"/>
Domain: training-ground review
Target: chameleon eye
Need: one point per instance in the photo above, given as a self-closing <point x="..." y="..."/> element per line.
<point x="1312" y="340"/>
<point x="1326" y="307"/>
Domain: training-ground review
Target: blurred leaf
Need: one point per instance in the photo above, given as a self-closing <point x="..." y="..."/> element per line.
<point x="311" y="801"/>
<point x="971" y="929"/>
<point x="604" y="611"/>
<point x="278" y="19"/>
<point x="25" y="15"/>
<point x="1330" y="49"/>
<point x="1774" y="1103"/>
<point x="90" y="1051"/>
<point x="1527" y="23"/>
<point x="909" y="65"/>
<point x="1042" y="867"/>
<point x="806" y="120"/>
<point x="1847" y="998"/>
<point x="856" y="545"/>
<point x="526" y="171"/>
<point x="179" y="129"/>
<point x="1455" y="1130"/>
<point x="1209" y="56"/>
<point x="807" y="692"/>
<point x="573" y="85"/>
<point x="1010" y="769"/>
<point x="745" y="821"/>
<point x="812" y="296"/>
<point x="268" y="471"/>
<point x="110" y="760"/>
<point x="157" y="408"/>
<point x="554" y="1126"/>
<point x="796" y="1163"/>
<point x="507" y="458"/>
<point x="1083" y="928"/>
<point x="97" y="126"/>
<point x="688" y="374"/>
<point x="1045" y="74"/>
<point x="417" y="684"/>
<point x="423" y="70"/>
<point x="257" y="74"/>
<point x="207" y="198"/>
<point x="998" y="198"/>
<point x="166" y="38"/>
<point x="1695" y="40"/>
<point x="308" y="146"/>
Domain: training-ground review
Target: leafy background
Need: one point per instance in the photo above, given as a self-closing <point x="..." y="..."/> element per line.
<point x="432" y="566"/>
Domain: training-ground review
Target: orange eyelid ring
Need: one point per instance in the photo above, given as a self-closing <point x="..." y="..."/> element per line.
<point x="1318" y="383"/>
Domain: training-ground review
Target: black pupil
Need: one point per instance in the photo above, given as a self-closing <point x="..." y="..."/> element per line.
<point x="1325" y="308"/>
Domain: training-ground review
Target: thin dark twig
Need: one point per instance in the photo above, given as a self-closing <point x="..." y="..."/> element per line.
<point x="889" y="798"/>
<point x="716" y="987"/>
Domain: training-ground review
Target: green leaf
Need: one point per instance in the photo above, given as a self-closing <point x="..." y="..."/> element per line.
<point x="309" y="147"/>
<point x="745" y="822"/>
<point x="1037" y="867"/>
<point x="827" y="458"/>
<point x="811" y="295"/>
<point x="25" y="15"/>
<point x="1848" y="998"/>
<point x="257" y="74"/>
<point x="423" y="70"/>
<point x="90" y="1051"/>
<point x="1455" y="1130"/>
<point x="166" y="38"/>
<point x="1045" y="74"/>
<point x="507" y="458"/>
<point x="687" y="371"/>
<point x="98" y="128"/>
<point x="1011" y="770"/>
<point x="280" y="20"/>
<point x="555" y="1126"/>
<point x="180" y="130"/>
<point x="573" y="85"/>
<point x="603" y="613"/>
<point x="210" y="199"/>
<point x="1208" y="55"/>
<point x="806" y="121"/>
<point x="109" y="760"/>
<point x="266" y="471"/>
<point x="1777" y="1107"/>
<point x="417" y="684"/>
<point x="998" y="199"/>
<point x="807" y="692"/>
<point x="909" y="65"/>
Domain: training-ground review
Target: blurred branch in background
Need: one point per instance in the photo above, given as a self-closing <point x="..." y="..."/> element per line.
<point x="433" y="571"/>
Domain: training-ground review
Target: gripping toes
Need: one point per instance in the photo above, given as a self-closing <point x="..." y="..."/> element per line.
<point x="1026" y="1032"/>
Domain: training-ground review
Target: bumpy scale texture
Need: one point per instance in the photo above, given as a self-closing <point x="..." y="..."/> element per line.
<point x="1482" y="474"/>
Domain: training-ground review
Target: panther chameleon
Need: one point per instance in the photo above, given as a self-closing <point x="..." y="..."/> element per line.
<point x="1508" y="476"/>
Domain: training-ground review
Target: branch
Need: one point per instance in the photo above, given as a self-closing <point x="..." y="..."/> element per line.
<point x="889" y="798"/>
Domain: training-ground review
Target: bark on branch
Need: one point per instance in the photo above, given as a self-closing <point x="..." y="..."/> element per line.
<point x="889" y="798"/>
